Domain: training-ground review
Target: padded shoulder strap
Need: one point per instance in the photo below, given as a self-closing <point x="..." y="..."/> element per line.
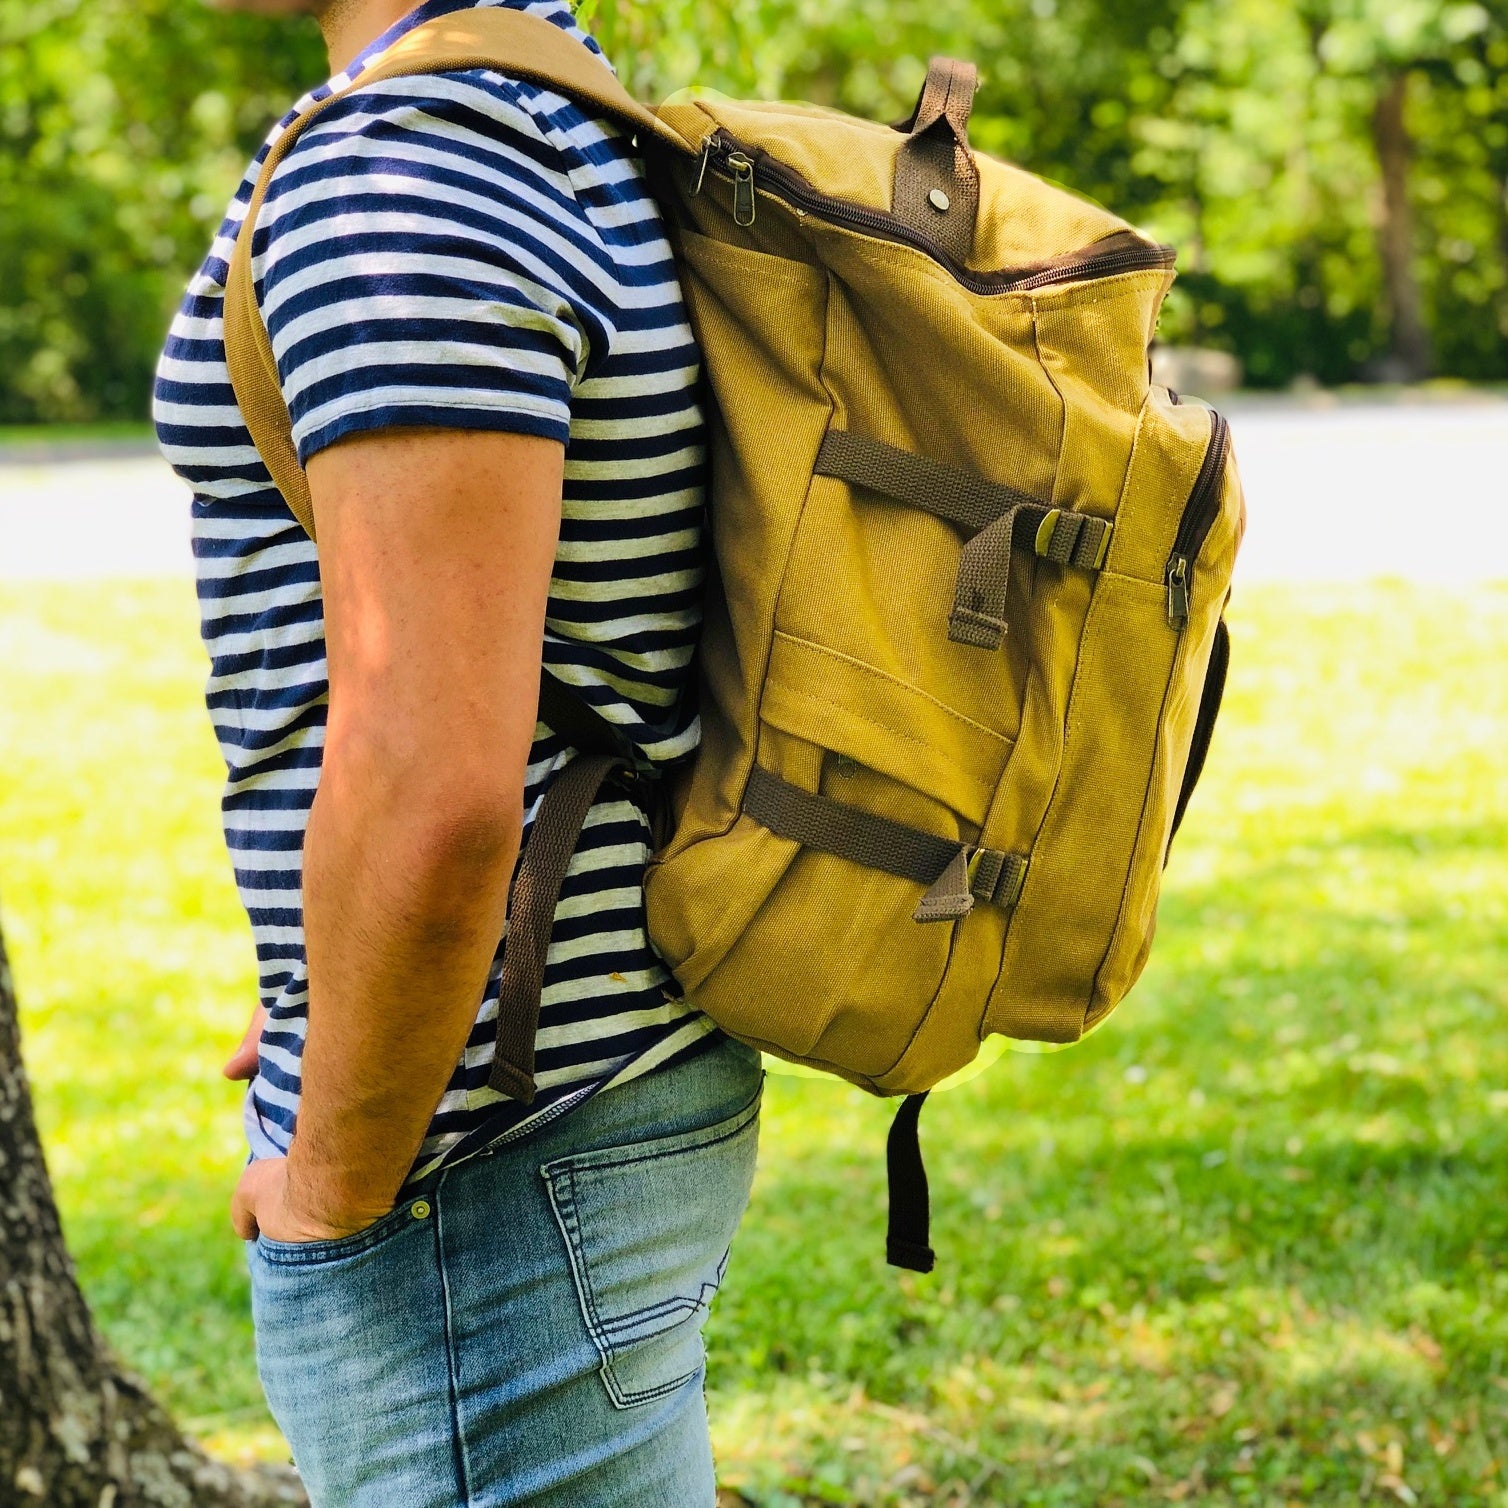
<point x="511" y="41"/>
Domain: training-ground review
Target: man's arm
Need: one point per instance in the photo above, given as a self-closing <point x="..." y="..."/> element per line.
<point x="436" y="548"/>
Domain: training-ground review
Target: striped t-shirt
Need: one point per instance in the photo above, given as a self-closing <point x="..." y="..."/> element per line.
<point x="464" y="251"/>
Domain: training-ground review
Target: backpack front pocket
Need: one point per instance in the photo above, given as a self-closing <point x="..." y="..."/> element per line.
<point x="866" y="792"/>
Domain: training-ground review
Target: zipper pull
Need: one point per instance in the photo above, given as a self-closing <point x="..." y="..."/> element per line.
<point x="743" y="188"/>
<point x="1178" y="592"/>
<point x="708" y="148"/>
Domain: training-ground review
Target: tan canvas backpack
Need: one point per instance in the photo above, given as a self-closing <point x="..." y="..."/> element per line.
<point x="966" y="647"/>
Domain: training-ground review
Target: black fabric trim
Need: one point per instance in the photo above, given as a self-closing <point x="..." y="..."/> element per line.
<point x="907" y="1234"/>
<point x="1204" y="724"/>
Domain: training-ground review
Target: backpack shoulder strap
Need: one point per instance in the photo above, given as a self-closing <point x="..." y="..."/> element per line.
<point x="511" y="41"/>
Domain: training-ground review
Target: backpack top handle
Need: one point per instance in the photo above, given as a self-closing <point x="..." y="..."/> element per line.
<point x="936" y="177"/>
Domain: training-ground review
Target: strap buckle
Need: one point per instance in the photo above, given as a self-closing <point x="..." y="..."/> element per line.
<point x="974" y="875"/>
<point x="997" y="878"/>
<point x="1077" y="539"/>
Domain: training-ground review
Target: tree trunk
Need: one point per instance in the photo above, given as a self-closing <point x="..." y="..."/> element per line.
<point x="75" y="1430"/>
<point x="1410" y="357"/>
<point x="1500" y="182"/>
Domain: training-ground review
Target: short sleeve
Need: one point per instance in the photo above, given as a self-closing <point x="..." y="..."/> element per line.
<point x="422" y="260"/>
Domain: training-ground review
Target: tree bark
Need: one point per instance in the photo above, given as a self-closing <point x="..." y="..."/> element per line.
<point x="1410" y="357"/>
<point x="75" y="1430"/>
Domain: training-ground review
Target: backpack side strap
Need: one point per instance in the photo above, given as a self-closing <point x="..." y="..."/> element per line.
<point x="957" y="875"/>
<point x="993" y="514"/>
<point x="531" y="916"/>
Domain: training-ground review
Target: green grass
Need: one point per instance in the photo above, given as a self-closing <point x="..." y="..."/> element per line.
<point x="69" y="434"/>
<point x="1247" y="1244"/>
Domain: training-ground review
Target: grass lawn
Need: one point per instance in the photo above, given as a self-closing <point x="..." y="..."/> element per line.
<point x="64" y="434"/>
<point x="1248" y="1244"/>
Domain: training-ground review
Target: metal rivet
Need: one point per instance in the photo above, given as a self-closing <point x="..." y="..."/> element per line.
<point x="419" y="1209"/>
<point x="939" y="201"/>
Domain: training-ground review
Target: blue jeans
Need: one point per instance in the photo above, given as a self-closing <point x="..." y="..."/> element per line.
<point x="524" y="1328"/>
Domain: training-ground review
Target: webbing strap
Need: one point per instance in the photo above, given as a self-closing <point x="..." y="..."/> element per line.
<point x="531" y="917"/>
<point x="983" y="586"/>
<point x="908" y="1233"/>
<point x="566" y="712"/>
<point x="878" y="843"/>
<point x="936" y="178"/>
<point x="961" y="497"/>
<point x="521" y="45"/>
<point x="994" y="514"/>
<point x="602" y="750"/>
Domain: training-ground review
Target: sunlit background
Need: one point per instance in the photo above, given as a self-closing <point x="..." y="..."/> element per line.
<point x="1249" y="1243"/>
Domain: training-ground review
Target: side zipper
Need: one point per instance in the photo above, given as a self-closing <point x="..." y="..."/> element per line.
<point x="1199" y="515"/>
<point x="751" y="169"/>
<point x="1204" y="728"/>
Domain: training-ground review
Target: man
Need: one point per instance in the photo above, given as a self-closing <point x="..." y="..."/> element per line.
<point x="460" y="1299"/>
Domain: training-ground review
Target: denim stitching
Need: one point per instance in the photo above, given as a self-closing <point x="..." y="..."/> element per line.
<point x="318" y="1253"/>
<point x="561" y="1190"/>
<point x="677" y="1305"/>
<point x="452" y="1361"/>
<point x="686" y="1142"/>
<point x="560" y="1185"/>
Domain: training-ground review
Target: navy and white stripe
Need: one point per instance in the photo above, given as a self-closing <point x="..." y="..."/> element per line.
<point x="461" y="250"/>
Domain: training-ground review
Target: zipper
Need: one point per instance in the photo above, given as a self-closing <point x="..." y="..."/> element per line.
<point x="751" y="169"/>
<point x="1199" y="515"/>
<point x="744" y="204"/>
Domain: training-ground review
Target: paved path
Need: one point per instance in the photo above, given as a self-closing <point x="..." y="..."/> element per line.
<point x="1346" y="492"/>
<point x="1418" y="491"/>
<point x="89" y="518"/>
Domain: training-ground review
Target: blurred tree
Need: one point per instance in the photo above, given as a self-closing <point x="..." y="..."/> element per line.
<point x="1384" y="43"/>
<point x="124" y="125"/>
<point x="1459" y="109"/>
<point x="1333" y="171"/>
<point x="76" y="1431"/>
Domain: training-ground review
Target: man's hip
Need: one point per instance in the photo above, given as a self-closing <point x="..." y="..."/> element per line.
<point x="524" y="1328"/>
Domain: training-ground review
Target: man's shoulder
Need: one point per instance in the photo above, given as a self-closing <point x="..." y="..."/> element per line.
<point x="481" y="115"/>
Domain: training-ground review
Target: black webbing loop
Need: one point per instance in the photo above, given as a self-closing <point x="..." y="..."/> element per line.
<point x="907" y="1242"/>
<point x="1204" y="726"/>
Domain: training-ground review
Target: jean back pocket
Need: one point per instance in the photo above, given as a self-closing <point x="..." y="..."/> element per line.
<point x="648" y="1228"/>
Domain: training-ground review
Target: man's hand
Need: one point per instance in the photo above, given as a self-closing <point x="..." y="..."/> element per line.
<point x="242" y="1063"/>
<point x="263" y="1204"/>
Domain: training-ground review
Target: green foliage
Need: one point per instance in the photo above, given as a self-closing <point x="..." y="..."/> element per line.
<point x="124" y="126"/>
<point x="1245" y="1245"/>
<point x="1240" y="130"/>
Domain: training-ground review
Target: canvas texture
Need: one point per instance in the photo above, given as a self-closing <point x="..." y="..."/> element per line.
<point x="893" y="681"/>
